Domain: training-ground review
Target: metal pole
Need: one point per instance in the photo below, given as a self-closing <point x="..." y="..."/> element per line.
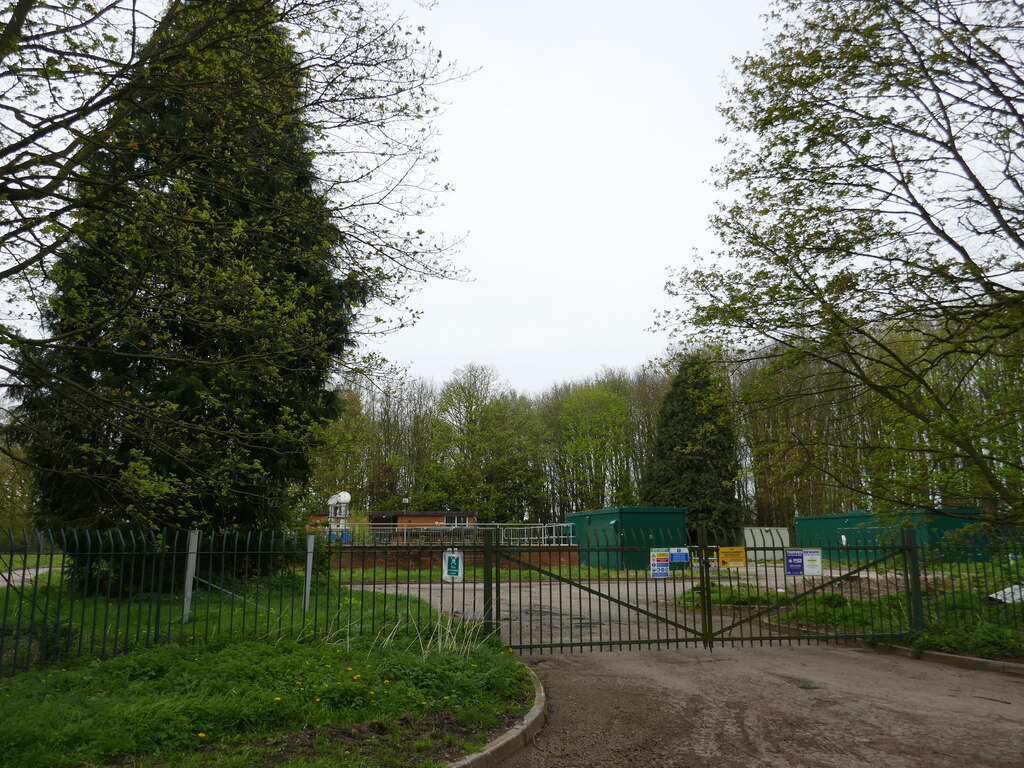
<point x="915" y="601"/>
<point x="488" y="581"/>
<point x="706" y="616"/>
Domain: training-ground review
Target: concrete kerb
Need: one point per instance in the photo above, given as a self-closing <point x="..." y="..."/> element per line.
<point x="516" y="738"/>
<point x="953" y="660"/>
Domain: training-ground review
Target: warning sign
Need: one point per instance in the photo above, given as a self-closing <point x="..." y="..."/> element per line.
<point x="803" y="562"/>
<point x="660" y="563"/>
<point x="732" y="557"/>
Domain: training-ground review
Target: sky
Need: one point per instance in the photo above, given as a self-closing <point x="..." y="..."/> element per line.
<point x="580" y="152"/>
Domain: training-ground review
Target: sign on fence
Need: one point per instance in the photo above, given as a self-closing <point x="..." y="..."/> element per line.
<point x="679" y="554"/>
<point x="803" y="562"/>
<point x="452" y="567"/>
<point x="732" y="557"/>
<point x="660" y="563"/>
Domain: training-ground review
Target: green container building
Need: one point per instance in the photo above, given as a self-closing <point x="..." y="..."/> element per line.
<point x="854" y="535"/>
<point x="621" y="538"/>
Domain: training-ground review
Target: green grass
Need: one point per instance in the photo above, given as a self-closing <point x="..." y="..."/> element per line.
<point x="738" y="594"/>
<point x="413" y="698"/>
<point x="48" y="624"/>
<point x="989" y="641"/>
<point x="17" y="562"/>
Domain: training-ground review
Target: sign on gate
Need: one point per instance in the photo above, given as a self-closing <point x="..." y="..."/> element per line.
<point x="732" y="557"/>
<point x="803" y="562"/>
<point x="679" y="554"/>
<point x="452" y="568"/>
<point x="660" y="559"/>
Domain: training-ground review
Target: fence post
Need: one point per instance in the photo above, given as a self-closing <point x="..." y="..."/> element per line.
<point x="309" y="573"/>
<point x="706" y="615"/>
<point x="488" y="580"/>
<point x="915" y="601"/>
<point x="190" y="573"/>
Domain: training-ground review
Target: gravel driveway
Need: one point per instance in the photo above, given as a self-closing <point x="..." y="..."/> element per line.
<point x="781" y="707"/>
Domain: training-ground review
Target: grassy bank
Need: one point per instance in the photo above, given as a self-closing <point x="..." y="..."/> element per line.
<point x="413" y="698"/>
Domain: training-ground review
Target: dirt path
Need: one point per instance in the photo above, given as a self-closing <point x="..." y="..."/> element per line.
<point x="785" y="707"/>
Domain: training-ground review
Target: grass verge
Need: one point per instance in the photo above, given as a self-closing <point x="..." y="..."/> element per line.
<point x="412" y="698"/>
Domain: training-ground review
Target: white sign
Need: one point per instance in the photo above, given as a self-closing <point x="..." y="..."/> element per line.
<point x="660" y="564"/>
<point x="452" y="567"/>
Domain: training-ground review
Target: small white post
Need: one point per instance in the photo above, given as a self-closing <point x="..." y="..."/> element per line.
<point x="309" y="573"/>
<point x="190" y="573"/>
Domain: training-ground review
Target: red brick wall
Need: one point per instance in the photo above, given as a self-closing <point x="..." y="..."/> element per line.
<point x="421" y="559"/>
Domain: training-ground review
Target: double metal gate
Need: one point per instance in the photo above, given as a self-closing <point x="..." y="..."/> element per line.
<point x="623" y="595"/>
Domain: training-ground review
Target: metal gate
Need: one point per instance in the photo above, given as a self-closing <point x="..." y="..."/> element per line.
<point x="609" y="595"/>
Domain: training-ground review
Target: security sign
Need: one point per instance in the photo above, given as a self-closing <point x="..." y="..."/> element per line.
<point x="732" y="557"/>
<point x="803" y="562"/>
<point x="452" y="568"/>
<point x="660" y="563"/>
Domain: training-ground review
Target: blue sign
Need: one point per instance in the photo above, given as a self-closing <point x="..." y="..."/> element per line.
<point x="679" y="554"/>
<point x="794" y="562"/>
<point x="803" y="562"/>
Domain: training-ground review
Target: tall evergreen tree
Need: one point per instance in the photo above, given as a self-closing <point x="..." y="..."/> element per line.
<point x="200" y="309"/>
<point x="694" y="463"/>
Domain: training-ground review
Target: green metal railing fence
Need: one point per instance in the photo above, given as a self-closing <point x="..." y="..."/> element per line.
<point x="68" y="594"/>
<point x="75" y="593"/>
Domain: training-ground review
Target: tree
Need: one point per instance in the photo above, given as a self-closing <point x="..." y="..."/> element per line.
<point x="694" y="463"/>
<point x="80" y="81"/>
<point x="875" y="230"/>
<point x="68" y="70"/>
<point x="484" y="451"/>
<point x="209" y="302"/>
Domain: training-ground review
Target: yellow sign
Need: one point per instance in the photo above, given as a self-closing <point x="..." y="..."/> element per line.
<point x="732" y="557"/>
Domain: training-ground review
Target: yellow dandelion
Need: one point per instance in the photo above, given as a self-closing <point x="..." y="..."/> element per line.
<point x="356" y="677"/>
<point x="202" y="735"/>
<point x="277" y="698"/>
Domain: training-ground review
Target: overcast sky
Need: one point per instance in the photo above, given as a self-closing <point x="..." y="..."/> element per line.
<point x="580" y="152"/>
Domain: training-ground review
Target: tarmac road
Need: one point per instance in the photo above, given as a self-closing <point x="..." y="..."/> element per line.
<point x="773" y="707"/>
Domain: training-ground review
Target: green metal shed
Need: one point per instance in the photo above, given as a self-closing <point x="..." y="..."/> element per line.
<point x="854" y="534"/>
<point x="621" y="538"/>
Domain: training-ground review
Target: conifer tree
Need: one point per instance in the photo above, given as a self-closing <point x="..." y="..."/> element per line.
<point x="201" y="308"/>
<point x="693" y="463"/>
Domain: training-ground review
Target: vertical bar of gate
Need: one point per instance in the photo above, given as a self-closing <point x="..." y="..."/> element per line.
<point x="915" y="601"/>
<point x="488" y="581"/>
